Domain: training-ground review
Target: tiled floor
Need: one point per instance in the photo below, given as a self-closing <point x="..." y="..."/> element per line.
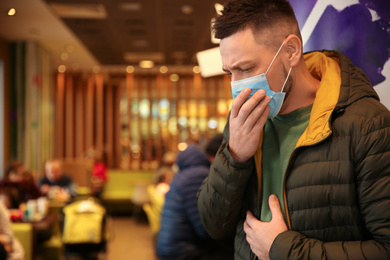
<point x="132" y="240"/>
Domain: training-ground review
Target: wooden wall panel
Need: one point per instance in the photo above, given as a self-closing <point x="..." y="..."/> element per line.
<point x="80" y="149"/>
<point x="129" y="92"/>
<point x="149" y="139"/>
<point x="5" y="58"/>
<point x="99" y="126"/>
<point x="109" y="123"/>
<point x="59" y="149"/>
<point x="227" y="87"/>
<point x="90" y="113"/>
<point x="158" y="139"/>
<point x="69" y="117"/>
<point x="137" y="161"/>
<point x="118" y="125"/>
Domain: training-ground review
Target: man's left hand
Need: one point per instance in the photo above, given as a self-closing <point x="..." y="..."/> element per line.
<point x="260" y="235"/>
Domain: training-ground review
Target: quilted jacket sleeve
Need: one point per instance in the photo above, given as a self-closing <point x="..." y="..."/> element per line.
<point x="372" y="167"/>
<point x="221" y="194"/>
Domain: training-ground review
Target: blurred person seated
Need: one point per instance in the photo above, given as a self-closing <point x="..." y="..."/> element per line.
<point x="168" y="160"/>
<point x="18" y="185"/>
<point x="29" y="186"/>
<point x="156" y="193"/>
<point x="162" y="180"/>
<point x="12" y="248"/>
<point x="181" y="234"/>
<point x="56" y="185"/>
<point x="99" y="173"/>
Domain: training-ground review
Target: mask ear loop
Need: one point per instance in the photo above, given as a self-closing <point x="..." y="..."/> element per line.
<point x="276" y="55"/>
<point x="288" y="75"/>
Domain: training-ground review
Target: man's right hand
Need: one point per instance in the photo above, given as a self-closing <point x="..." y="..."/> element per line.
<point x="247" y="120"/>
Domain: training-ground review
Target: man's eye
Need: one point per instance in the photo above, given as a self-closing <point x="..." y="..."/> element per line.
<point x="246" y="70"/>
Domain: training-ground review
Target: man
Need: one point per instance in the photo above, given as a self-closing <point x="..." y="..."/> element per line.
<point x="181" y="235"/>
<point x="314" y="181"/>
<point x="55" y="183"/>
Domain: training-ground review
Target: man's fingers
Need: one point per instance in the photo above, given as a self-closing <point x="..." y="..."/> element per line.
<point x="249" y="217"/>
<point x="258" y="126"/>
<point x="274" y="206"/>
<point x="241" y="103"/>
<point x="238" y="101"/>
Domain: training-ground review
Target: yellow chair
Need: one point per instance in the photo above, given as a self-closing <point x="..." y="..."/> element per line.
<point x="153" y="218"/>
<point x="153" y="209"/>
<point x="24" y="233"/>
<point x="156" y="200"/>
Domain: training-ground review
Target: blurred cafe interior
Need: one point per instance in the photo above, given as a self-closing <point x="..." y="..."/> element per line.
<point x="98" y="97"/>
<point x="117" y="80"/>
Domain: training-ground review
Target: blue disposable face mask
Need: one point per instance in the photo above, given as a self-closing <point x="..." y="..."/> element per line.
<point x="260" y="82"/>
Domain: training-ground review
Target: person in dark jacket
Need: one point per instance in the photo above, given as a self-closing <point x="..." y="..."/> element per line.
<point x="304" y="168"/>
<point x="181" y="235"/>
<point x="55" y="183"/>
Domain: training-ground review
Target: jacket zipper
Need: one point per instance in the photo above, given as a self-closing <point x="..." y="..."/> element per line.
<point x="293" y="155"/>
<point x="284" y="186"/>
<point x="284" y="189"/>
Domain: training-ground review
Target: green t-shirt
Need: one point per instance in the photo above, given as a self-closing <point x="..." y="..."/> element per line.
<point x="280" y="137"/>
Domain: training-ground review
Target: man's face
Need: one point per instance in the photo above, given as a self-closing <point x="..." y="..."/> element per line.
<point x="53" y="171"/>
<point x="242" y="57"/>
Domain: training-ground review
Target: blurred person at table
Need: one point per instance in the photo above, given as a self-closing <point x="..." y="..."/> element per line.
<point x="99" y="173"/>
<point x="163" y="176"/>
<point x="29" y="186"/>
<point x="56" y="184"/>
<point x="18" y="185"/>
<point x="182" y="235"/>
<point x="13" y="248"/>
<point x="162" y="180"/>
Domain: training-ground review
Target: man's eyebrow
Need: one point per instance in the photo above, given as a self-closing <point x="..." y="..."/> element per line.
<point x="237" y="66"/>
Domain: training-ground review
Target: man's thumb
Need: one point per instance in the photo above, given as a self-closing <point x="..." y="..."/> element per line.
<point x="274" y="206"/>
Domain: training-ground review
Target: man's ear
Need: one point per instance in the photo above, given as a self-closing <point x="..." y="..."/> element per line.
<point x="294" y="49"/>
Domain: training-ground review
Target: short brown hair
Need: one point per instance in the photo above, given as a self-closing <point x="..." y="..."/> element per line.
<point x="258" y="15"/>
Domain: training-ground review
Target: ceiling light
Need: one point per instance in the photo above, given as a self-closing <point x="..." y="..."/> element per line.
<point x="210" y="62"/>
<point x="130" y="6"/>
<point x="133" y="57"/>
<point x="174" y="77"/>
<point x="196" y="69"/>
<point x="11" y="12"/>
<point x="129" y="69"/>
<point x="187" y="9"/>
<point x="163" y="69"/>
<point x="146" y="64"/>
<point x="83" y="11"/>
<point x="61" y="68"/>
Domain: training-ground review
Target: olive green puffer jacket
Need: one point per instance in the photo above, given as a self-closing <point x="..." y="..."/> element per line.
<point x="337" y="184"/>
